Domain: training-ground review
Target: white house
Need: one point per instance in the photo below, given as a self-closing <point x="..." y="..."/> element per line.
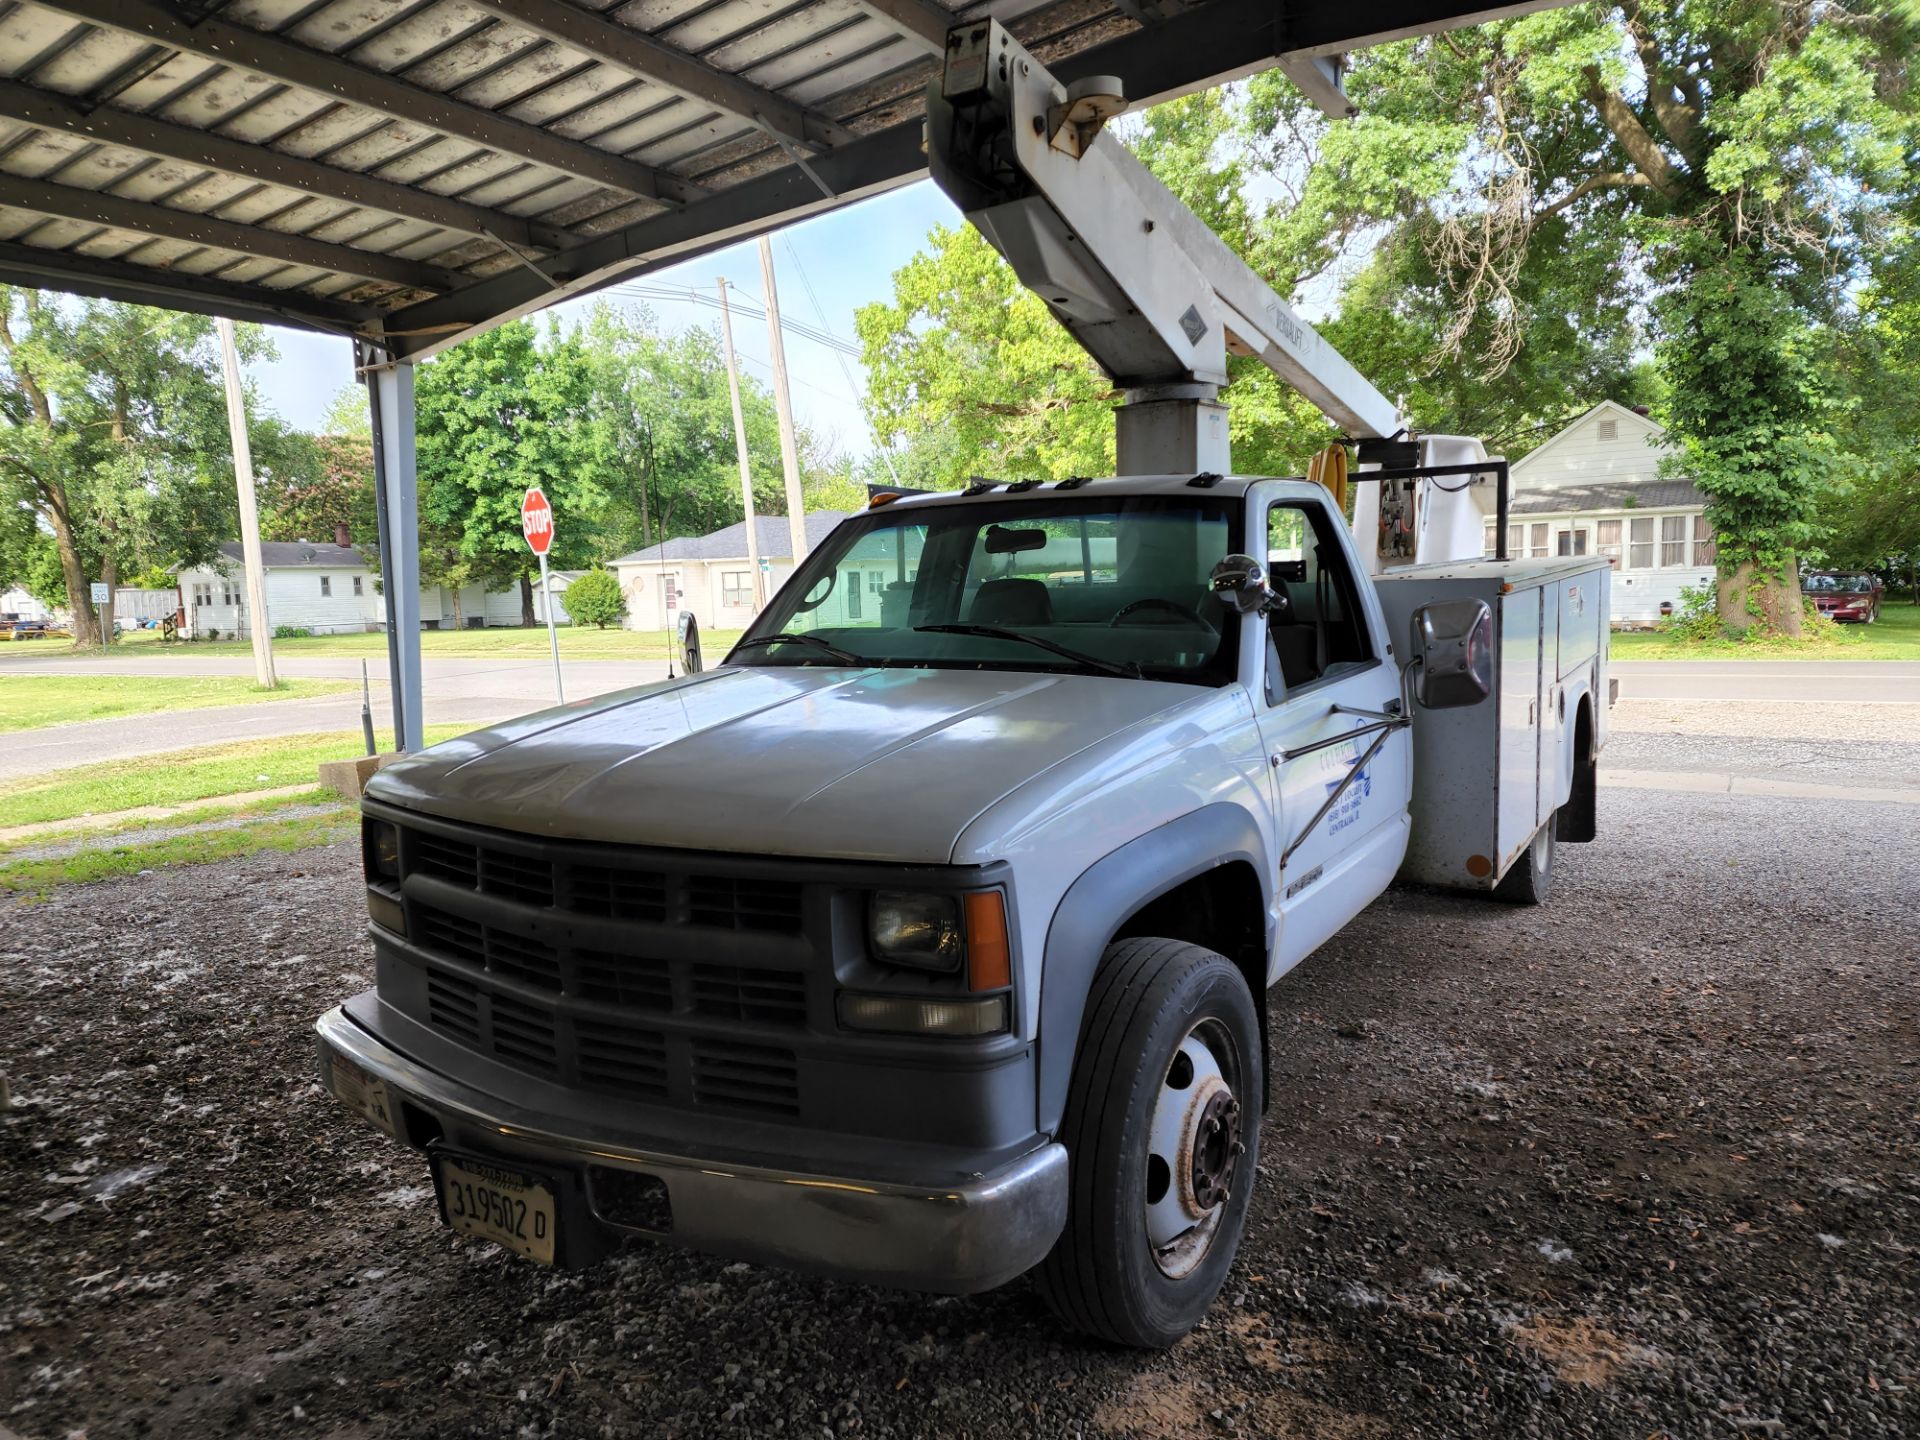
<point x="710" y="574"/>
<point x="329" y="589"/>
<point x="20" y="604"/>
<point x="311" y="585"/>
<point x="1595" y="489"/>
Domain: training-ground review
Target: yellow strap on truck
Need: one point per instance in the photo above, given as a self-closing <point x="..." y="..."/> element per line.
<point x="1329" y="468"/>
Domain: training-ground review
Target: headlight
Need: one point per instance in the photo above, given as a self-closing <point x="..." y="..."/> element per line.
<point x="380" y="844"/>
<point x="919" y="931"/>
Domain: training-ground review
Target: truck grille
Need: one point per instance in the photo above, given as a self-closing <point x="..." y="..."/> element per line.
<point x="522" y="966"/>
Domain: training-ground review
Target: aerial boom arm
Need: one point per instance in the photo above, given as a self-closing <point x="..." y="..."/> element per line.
<point x="1139" y="280"/>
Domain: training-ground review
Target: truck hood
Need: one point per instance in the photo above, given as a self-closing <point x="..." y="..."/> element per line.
<point x="843" y="763"/>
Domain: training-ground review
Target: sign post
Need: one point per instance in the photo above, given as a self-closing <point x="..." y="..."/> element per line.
<point x="536" y="523"/>
<point x="102" y="595"/>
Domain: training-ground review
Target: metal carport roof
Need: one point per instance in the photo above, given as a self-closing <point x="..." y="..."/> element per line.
<point x="410" y="170"/>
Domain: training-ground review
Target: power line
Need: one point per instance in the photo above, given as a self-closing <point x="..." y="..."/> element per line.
<point x="654" y="291"/>
<point x="841" y="360"/>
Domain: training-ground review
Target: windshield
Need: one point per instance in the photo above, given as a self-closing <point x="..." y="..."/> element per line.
<point x="1837" y="584"/>
<point x="1111" y="585"/>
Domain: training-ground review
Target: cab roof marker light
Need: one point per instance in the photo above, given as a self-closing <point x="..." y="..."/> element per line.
<point x="883" y="497"/>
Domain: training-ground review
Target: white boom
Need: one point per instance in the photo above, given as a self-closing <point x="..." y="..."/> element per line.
<point x="1153" y="295"/>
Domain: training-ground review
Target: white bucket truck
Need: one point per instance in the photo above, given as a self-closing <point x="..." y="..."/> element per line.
<point x="925" y="940"/>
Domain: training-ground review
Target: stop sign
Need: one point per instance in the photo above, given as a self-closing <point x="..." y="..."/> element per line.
<point x="536" y="521"/>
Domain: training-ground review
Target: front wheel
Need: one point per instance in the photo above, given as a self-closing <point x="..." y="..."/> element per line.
<point x="1162" y="1131"/>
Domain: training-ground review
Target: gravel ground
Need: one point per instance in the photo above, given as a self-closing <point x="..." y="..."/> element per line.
<point x="1643" y="1163"/>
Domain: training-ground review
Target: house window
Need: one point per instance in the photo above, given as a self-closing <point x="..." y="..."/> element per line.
<point x="356" y="585"/>
<point x="736" y="587"/>
<point x="876" y="582"/>
<point x="202" y="595"/>
<point x="1640" y="543"/>
<point x="1537" y="543"/>
<point x="1673" y="539"/>
<point x="326" y="586"/>
<point x="1606" y="538"/>
<point x="229" y="595"/>
<point x="1705" y="552"/>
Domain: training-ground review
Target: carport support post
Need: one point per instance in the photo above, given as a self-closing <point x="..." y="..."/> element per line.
<point x="392" y="394"/>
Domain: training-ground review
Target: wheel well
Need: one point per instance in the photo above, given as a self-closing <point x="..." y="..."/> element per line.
<point x="1221" y="909"/>
<point x="1579" y="817"/>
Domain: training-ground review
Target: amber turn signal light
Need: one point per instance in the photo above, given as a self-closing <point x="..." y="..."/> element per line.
<point x="989" y="966"/>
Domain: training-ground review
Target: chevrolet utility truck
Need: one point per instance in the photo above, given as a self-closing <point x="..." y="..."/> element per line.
<point x="925" y="940"/>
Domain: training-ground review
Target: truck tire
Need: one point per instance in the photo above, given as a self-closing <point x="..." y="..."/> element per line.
<point x="1530" y="881"/>
<point x="1162" y="1130"/>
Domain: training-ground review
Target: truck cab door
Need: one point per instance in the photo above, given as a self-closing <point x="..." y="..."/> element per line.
<point x="1328" y="675"/>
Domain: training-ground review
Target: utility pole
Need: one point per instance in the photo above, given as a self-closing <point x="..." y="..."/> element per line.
<point x="740" y="445"/>
<point x="249" y="515"/>
<point x="783" y="402"/>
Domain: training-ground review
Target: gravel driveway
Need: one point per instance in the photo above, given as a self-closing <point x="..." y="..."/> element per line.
<point x="1643" y="1163"/>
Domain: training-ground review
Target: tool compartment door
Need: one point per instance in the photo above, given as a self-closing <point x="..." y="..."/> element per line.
<point x="1520" y="679"/>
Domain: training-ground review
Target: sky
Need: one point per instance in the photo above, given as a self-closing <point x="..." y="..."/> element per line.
<point x="847" y="255"/>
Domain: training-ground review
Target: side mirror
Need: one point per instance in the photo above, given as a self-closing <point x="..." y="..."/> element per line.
<point x="1241" y="582"/>
<point x="689" y="643"/>
<point x="1453" y="648"/>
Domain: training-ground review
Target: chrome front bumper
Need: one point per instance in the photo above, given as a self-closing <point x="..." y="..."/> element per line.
<point x="953" y="1239"/>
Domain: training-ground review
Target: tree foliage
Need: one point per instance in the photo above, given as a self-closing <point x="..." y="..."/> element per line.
<point x="114" y="455"/>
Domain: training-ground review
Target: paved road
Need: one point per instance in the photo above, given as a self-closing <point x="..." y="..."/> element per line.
<point x="1805" y="681"/>
<point x="459" y="689"/>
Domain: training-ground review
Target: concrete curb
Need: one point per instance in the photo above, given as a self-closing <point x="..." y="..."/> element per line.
<point x="1723" y="782"/>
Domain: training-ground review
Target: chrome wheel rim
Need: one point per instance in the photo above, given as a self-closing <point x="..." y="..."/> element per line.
<point x="1194" y="1146"/>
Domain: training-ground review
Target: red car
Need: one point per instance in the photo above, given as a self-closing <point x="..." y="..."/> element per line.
<point x="1850" y="595"/>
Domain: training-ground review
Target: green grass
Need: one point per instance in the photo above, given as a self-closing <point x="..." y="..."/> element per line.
<point x="1895" y="636"/>
<point x="576" y="642"/>
<point x="181" y="776"/>
<point x="81" y="834"/>
<point x="29" y="701"/>
<point x="35" y="879"/>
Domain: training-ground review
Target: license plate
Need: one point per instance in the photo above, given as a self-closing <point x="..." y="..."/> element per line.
<point x="508" y="1207"/>
<point x="363" y="1093"/>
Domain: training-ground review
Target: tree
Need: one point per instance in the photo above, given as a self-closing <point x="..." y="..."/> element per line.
<point x="498" y="414"/>
<point x="665" y="402"/>
<point x="113" y="440"/>
<point x="1733" y="163"/>
<point x="595" y="599"/>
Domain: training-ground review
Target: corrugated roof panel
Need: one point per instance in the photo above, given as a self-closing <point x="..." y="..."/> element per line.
<point x="40" y="153"/>
<point x="163" y="177"/>
<point x="813" y="74"/>
<point x="264" y="14"/>
<point x="577" y="92"/>
<point x="406" y="165"/>
<point x="209" y="192"/>
<point x="278" y="113"/>
<point x="599" y="204"/>
<point x="646" y="113"/>
<point x="612" y="219"/>
<point x="15" y="223"/>
<point x="295" y="277"/>
<point x="27" y="34"/>
<point x="666" y="138"/>
<point x="483" y="168"/>
<point x="338" y="126"/>
<point x="215" y="97"/>
<point x="344" y="25"/>
<point x="294" y="211"/>
<point x="103" y="168"/>
<point x="503" y="188"/>
<point x="163" y="81"/>
<point x="701" y="28"/>
<point x="552" y="198"/>
<point x="829" y="26"/>
<point x="535" y="66"/>
<point x="490" y="43"/>
<point x="79" y="69"/>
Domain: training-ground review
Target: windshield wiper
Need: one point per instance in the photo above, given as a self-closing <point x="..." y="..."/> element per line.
<point x="790" y="637"/>
<point x="1129" y="671"/>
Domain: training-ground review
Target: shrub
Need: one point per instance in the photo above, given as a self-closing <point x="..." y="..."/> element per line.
<point x="291" y="632"/>
<point x="1698" y="617"/>
<point x="595" y="599"/>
